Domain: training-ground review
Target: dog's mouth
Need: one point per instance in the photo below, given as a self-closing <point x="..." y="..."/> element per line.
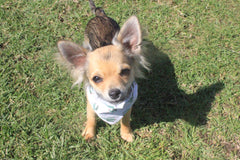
<point x="121" y="99"/>
<point x="115" y="100"/>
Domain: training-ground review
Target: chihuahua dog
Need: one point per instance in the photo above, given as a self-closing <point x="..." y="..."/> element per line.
<point x="108" y="63"/>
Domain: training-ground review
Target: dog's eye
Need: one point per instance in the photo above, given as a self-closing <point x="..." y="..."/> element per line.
<point x="97" y="79"/>
<point x="125" y="72"/>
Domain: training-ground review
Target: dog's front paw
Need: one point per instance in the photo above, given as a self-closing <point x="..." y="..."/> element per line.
<point x="127" y="136"/>
<point x="89" y="133"/>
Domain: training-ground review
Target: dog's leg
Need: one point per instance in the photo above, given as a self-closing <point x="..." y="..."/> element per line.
<point x="90" y="129"/>
<point x="126" y="131"/>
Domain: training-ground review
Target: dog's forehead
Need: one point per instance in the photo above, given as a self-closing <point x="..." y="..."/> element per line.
<point x="107" y="53"/>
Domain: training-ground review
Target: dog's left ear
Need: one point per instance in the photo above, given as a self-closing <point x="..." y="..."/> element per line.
<point x="130" y="36"/>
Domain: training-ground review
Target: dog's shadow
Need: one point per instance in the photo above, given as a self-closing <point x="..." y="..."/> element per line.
<point x="160" y="99"/>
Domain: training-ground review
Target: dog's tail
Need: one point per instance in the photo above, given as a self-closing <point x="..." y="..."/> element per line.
<point x="96" y="10"/>
<point x="92" y="6"/>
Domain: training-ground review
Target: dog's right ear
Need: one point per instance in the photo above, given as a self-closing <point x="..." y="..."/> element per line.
<point x="73" y="53"/>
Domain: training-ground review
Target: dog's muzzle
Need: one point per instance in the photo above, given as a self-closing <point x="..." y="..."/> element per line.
<point x="114" y="94"/>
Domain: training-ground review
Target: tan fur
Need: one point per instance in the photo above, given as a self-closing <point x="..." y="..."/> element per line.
<point x="107" y="63"/>
<point x="106" y="68"/>
<point x="126" y="131"/>
<point x="90" y="129"/>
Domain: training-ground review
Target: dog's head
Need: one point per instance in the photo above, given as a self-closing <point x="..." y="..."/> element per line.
<point x="111" y="69"/>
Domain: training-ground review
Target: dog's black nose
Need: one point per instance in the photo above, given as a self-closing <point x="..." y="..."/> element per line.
<point x="114" y="93"/>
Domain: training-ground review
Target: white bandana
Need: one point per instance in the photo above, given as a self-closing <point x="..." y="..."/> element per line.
<point x="111" y="112"/>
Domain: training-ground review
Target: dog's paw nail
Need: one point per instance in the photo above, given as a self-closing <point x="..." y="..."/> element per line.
<point x="129" y="137"/>
<point x="88" y="136"/>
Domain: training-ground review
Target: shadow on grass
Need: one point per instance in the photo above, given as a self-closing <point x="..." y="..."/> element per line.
<point x="160" y="99"/>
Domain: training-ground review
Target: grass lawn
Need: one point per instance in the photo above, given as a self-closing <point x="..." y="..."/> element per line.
<point x="188" y="106"/>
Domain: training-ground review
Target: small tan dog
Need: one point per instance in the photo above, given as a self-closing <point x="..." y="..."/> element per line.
<point x="109" y="72"/>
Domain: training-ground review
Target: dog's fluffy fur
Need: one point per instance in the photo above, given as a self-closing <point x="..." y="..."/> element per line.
<point x="106" y="65"/>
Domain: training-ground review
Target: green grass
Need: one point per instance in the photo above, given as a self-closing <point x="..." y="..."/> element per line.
<point x="188" y="107"/>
